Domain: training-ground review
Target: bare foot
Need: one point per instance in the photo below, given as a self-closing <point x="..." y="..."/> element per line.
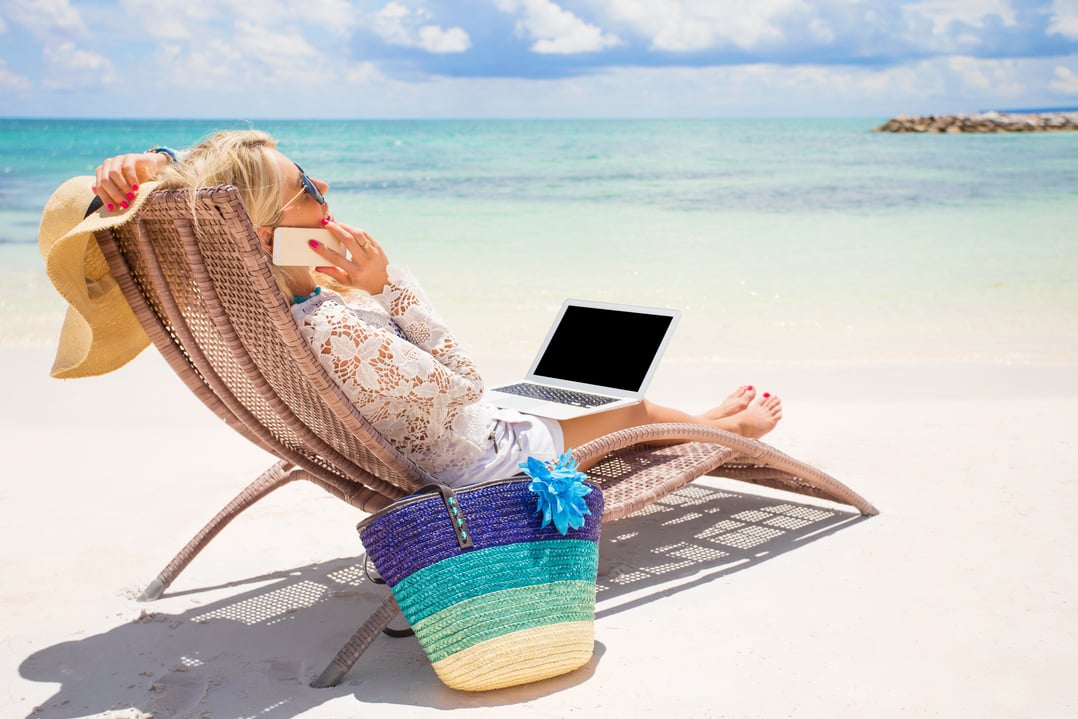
<point x="738" y="401"/>
<point x="759" y="418"/>
<point x="756" y="420"/>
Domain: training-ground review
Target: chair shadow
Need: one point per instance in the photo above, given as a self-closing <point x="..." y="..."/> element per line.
<point x="255" y="653"/>
<point x="699" y="534"/>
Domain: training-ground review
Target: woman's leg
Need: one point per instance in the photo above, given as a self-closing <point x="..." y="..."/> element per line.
<point x="754" y="420"/>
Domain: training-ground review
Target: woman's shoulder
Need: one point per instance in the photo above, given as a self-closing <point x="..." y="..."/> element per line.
<point x="332" y="308"/>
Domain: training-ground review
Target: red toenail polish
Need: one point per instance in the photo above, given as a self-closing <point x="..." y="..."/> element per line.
<point x="313" y="244"/>
<point x="749" y="388"/>
<point x="766" y="395"/>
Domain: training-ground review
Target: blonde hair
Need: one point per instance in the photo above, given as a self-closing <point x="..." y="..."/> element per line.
<point x="240" y="158"/>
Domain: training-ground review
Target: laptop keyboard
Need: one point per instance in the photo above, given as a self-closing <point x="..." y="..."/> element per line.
<point x="556" y="394"/>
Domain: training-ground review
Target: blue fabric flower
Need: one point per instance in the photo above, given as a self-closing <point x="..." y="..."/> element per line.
<point x="561" y="491"/>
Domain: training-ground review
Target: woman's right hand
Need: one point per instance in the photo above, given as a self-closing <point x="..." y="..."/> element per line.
<point x="118" y="178"/>
<point x="365" y="266"/>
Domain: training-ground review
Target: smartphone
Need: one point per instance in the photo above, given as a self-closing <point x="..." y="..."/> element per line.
<point x="291" y="246"/>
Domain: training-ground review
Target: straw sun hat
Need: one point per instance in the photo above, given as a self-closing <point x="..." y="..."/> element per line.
<point x="100" y="332"/>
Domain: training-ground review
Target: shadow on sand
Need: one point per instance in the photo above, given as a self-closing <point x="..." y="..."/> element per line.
<point x="268" y="643"/>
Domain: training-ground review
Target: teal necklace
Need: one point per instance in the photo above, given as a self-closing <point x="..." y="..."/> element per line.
<point x="299" y="299"/>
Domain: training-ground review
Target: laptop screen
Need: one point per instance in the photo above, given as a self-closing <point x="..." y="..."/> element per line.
<point x="605" y="347"/>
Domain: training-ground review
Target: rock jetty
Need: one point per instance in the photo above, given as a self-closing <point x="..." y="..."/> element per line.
<point x="983" y="122"/>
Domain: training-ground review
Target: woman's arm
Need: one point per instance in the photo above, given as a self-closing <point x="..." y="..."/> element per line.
<point x="375" y="364"/>
<point x="409" y="307"/>
<point x="367" y="267"/>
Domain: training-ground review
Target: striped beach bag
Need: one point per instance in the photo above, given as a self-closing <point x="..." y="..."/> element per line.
<point x="497" y="579"/>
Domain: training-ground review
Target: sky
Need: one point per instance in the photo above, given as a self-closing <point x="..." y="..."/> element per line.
<point x="533" y="58"/>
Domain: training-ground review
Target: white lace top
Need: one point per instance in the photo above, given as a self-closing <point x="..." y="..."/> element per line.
<point x="403" y="369"/>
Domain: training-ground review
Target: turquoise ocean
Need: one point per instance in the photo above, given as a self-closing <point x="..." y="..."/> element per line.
<point x="782" y="241"/>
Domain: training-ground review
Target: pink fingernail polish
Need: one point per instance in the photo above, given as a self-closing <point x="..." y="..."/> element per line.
<point x="325" y="220"/>
<point x="123" y="204"/>
<point x="130" y="195"/>
<point x="134" y="188"/>
<point x="313" y="244"/>
<point x="110" y="207"/>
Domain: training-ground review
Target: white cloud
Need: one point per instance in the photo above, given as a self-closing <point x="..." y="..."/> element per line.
<point x="46" y="18"/>
<point x="821" y="32"/>
<point x="901" y="83"/>
<point x="1064" y="19"/>
<point x="185" y="20"/>
<point x="753" y="25"/>
<point x="169" y="20"/>
<point x="281" y="55"/>
<point x="338" y="16"/>
<point x="390" y="24"/>
<point x="288" y="57"/>
<point x="1000" y="79"/>
<point x="251" y="61"/>
<point x="769" y="89"/>
<point x="556" y="31"/>
<point x="691" y="25"/>
<point x="364" y="73"/>
<point x="755" y="90"/>
<point x="749" y="91"/>
<point x="1066" y="81"/>
<point x="238" y="45"/>
<point x="774" y="88"/>
<point x="434" y="39"/>
<point x="71" y="68"/>
<point x="215" y="65"/>
<point x="972" y="12"/>
<point x="11" y="81"/>
<point x="398" y="25"/>
<point x="970" y="72"/>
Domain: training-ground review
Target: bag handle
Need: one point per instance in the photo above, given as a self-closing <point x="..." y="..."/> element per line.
<point x="452" y="508"/>
<point x="375" y="578"/>
<point x="456" y="519"/>
<point x="449" y="500"/>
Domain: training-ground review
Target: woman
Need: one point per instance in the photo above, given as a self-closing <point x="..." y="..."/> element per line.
<point x="387" y="349"/>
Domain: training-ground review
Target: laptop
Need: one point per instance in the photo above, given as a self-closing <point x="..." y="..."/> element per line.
<point x="597" y="356"/>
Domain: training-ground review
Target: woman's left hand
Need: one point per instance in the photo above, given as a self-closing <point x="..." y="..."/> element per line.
<point x="364" y="268"/>
<point x="117" y="178"/>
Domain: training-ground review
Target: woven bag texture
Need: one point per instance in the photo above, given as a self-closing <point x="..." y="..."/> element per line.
<point x="517" y="606"/>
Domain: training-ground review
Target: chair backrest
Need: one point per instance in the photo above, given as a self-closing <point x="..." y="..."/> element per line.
<point x="193" y="270"/>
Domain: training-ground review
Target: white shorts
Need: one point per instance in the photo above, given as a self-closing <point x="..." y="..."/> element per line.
<point x="516" y="436"/>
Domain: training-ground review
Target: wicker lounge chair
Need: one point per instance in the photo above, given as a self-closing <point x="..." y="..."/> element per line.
<point x="207" y="298"/>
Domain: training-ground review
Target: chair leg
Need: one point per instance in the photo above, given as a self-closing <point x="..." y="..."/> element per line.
<point x="358" y="644"/>
<point x="276" y="476"/>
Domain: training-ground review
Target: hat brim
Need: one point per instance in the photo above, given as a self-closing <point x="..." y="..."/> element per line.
<point x="100" y="332"/>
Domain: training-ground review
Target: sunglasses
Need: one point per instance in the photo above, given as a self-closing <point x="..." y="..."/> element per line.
<point x="308" y="187"/>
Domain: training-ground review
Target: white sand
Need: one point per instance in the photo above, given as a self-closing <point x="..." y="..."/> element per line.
<point x="957" y="601"/>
